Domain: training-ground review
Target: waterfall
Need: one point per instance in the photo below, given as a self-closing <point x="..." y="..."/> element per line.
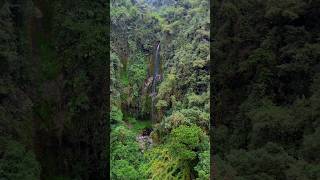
<point x="156" y="77"/>
<point x="156" y="69"/>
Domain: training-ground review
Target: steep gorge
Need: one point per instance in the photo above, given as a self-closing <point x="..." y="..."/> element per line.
<point x="160" y="97"/>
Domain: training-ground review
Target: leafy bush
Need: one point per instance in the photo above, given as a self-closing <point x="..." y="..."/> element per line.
<point x="18" y="163"/>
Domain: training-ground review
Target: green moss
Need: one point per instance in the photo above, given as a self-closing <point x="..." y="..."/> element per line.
<point x="147" y="104"/>
<point x="139" y="125"/>
<point x="124" y="78"/>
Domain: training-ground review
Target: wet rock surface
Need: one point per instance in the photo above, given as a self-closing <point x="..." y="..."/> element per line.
<point x="144" y="139"/>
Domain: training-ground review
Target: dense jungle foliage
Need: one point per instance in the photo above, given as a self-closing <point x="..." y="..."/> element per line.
<point x="267" y="89"/>
<point x="53" y="89"/>
<point x="54" y="122"/>
<point x="173" y="142"/>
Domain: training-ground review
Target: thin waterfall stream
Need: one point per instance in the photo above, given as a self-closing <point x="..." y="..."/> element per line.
<point x="144" y="139"/>
<point x="156" y="77"/>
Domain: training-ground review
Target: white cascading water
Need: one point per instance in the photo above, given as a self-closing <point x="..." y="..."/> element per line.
<point x="156" y="78"/>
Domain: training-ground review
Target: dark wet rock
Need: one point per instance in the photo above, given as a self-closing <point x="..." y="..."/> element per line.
<point x="145" y="142"/>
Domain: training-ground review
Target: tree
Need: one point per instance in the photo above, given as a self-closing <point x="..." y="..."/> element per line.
<point x="17" y="162"/>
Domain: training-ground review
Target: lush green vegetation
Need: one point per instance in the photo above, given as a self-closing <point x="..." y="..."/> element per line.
<point x="53" y="90"/>
<point x="266" y="78"/>
<point x="178" y="144"/>
<point x="54" y="93"/>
